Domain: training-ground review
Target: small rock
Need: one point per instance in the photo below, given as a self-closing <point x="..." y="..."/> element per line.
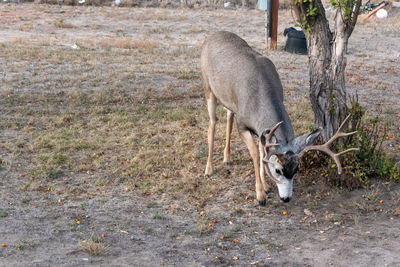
<point x="308" y="212"/>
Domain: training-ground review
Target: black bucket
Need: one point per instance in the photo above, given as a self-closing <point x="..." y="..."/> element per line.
<point x="296" y="41"/>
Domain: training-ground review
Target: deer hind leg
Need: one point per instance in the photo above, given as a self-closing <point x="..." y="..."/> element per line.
<point x="211" y="106"/>
<point x="266" y="187"/>
<point x="227" y="150"/>
<point x="248" y="140"/>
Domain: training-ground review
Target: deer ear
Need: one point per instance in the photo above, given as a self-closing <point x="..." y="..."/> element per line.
<point x="263" y="137"/>
<point x="312" y="137"/>
<point x="306" y="139"/>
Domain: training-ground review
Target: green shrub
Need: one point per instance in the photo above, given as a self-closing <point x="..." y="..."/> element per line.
<point x="370" y="160"/>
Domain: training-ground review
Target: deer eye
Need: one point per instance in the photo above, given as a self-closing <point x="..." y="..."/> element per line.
<point x="278" y="171"/>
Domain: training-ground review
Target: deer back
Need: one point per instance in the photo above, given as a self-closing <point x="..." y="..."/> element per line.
<point x="246" y="83"/>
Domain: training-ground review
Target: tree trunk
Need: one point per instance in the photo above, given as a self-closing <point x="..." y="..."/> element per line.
<point x="327" y="83"/>
<point x="327" y="63"/>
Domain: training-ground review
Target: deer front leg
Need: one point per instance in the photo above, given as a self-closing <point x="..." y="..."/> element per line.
<point x="227" y="150"/>
<point x="211" y="106"/>
<point x="267" y="189"/>
<point x="248" y="140"/>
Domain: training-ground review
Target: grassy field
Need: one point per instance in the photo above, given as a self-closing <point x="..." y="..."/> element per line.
<point x="113" y="135"/>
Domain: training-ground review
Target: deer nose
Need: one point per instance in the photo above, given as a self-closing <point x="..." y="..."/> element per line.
<point x="285" y="199"/>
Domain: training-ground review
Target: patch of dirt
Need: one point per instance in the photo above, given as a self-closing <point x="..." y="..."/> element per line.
<point x="110" y="140"/>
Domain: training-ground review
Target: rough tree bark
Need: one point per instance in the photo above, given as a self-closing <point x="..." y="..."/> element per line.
<point x="327" y="62"/>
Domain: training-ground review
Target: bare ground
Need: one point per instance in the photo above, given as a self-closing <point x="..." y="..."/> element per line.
<point x="111" y="139"/>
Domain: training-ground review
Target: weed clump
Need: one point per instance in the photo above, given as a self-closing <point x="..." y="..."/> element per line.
<point x="94" y="246"/>
<point x="370" y="161"/>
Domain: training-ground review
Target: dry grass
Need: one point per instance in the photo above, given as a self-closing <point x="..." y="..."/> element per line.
<point x="19" y="41"/>
<point x="91" y="246"/>
<point x="60" y="23"/>
<point x="132" y="111"/>
<point x="145" y="44"/>
<point x="107" y="43"/>
<point x="44" y="42"/>
<point x="302" y="117"/>
<point x="110" y="129"/>
<point x="126" y="120"/>
<point x="122" y="43"/>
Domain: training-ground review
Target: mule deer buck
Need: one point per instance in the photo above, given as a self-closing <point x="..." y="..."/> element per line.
<point x="248" y="86"/>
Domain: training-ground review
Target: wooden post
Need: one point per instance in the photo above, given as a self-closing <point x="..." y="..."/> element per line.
<point x="267" y="27"/>
<point x="274" y="23"/>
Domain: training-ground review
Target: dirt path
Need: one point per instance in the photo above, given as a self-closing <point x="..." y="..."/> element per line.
<point x="142" y="231"/>
<point x="110" y="139"/>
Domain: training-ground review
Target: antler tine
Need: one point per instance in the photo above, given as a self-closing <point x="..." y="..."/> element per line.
<point x="339" y="132"/>
<point x="343" y="123"/>
<point x="267" y="146"/>
<point x="271" y="133"/>
<point x="325" y="147"/>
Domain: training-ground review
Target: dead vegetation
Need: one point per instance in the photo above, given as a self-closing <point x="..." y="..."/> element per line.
<point x="114" y="133"/>
<point x="93" y="246"/>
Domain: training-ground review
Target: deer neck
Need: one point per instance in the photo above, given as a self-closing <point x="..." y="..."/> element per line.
<point x="269" y="117"/>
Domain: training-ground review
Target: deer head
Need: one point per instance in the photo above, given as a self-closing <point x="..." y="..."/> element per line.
<point x="282" y="160"/>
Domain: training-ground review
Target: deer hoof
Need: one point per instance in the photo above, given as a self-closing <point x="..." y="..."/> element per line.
<point x="208" y="175"/>
<point x="267" y="192"/>
<point x="262" y="202"/>
<point x="228" y="163"/>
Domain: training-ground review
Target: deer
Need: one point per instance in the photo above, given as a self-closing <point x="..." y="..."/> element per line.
<point x="247" y="84"/>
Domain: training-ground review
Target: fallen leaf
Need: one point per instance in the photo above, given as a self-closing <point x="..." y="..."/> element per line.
<point x="235" y="258"/>
<point x="397" y="211"/>
<point x="235" y="240"/>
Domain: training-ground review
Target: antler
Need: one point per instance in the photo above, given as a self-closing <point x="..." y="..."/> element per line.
<point x="325" y="147"/>
<point x="269" y="145"/>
